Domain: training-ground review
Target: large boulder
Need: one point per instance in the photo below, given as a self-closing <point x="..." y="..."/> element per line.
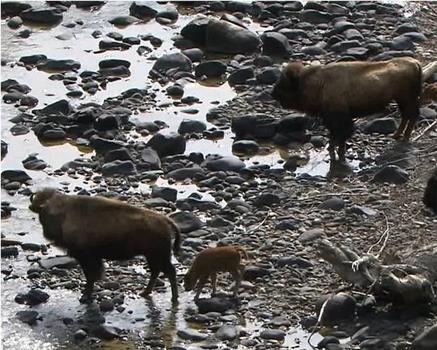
<point x="143" y="9"/>
<point x="275" y="44"/>
<point x="13" y="8"/>
<point x="226" y="37"/>
<point x="44" y="15"/>
<point x="196" y="30"/>
<point x="167" y="145"/>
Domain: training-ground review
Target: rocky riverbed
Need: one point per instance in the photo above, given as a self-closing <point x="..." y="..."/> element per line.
<point x="167" y="106"/>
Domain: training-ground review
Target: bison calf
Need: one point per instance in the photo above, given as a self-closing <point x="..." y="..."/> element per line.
<point x="430" y="196"/>
<point x="94" y="228"/>
<point x="339" y="92"/>
<point x="213" y="260"/>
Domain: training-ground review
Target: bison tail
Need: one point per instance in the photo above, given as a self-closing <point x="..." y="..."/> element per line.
<point x="177" y="238"/>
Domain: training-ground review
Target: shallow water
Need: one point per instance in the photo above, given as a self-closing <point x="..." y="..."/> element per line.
<point x="161" y="318"/>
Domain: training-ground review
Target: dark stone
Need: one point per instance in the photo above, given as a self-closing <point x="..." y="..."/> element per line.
<point x="189" y="126"/>
<point x="151" y="158"/>
<point x="275" y="334"/>
<point x="267" y="199"/>
<point x="381" y="126"/>
<point x="223" y="163"/>
<point x="58" y="65"/>
<point x="123" y="20"/>
<point x="112" y="45"/>
<point x="427" y="340"/>
<point x="111" y="63"/>
<point x="105" y="332"/>
<point x="44" y="15"/>
<point x="169" y="12"/>
<point x="13" y="8"/>
<point x="86" y="4"/>
<point x="190" y="334"/>
<point x="333" y="203"/>
<point x="391" y="174"/>
<point x="430" y="195"/>
<point x="172" y="61"/>
<point x="402" y="42"/>
<point x="245" y="147"/>
<point x="142" y="9"/>
<point x="194" y="54"/>
<point x="210" y="69"/>
<point x="226" y="37"/>
<point x="339" y="308"/>
<point x="15" y="176"/>
<point x="7" y="252"/>
<point x="294" y="261"/>
<point x="4" y="148"/>
<point x="315" y="17"/>
<point x="119" y="167"/>
<point x="166" y="145"/>
<point x="275" y="44"/>
<point x="187" y="221"/>
<point x="103" y="145"/>
<point x="118" y="154"/>
<point x="344" y="45"/>
<point x="14" y="22"/>
<point x="32" y="298"/>
<point x="215" y="304"/>
<point x="167" y="193"/>
<point x="185" y="173"/>
<point x="326" y="341"/>
<point x="27" y="316"/>
<point x="259" y="126"/>
<point x="6" y="84"/>
<point x="240" y="76"/>
<point x="227" y="332"/>
<point x="64" y="262"/>
<point x="175" y="90"/>
<point x="196" y="30"/>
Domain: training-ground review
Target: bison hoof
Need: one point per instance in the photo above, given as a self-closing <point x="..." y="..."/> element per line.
<point x="86" y="299"/>
<point x="145" y="294"/>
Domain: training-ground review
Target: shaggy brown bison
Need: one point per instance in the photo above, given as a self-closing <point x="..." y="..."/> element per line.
<point x="213" y="260"/>
<point x="94" y="228"/>
<point x="430" y="196"/>
<point x="339" y="92"/>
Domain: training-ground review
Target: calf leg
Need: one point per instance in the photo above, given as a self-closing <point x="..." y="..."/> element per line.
<point x="236" y="275"/>
<point x="340" y="126"/>
<point x="170" y="272"/>
<point x="200" y="284"/>
<point x="400" y="129"/>
<point x="410" y="114"/>
<point x="93" y="269"/>
<point x="214" y="283"/>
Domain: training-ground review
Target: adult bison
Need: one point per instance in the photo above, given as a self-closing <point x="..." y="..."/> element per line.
<point x="339" y="92"/>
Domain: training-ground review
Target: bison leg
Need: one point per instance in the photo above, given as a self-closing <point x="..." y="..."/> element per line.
<point x="214" y="283"/>
<point x="154" y="273"/>
<point x="331" y="150"/>
<point x="92" y="269"/>
<point x="400" y="129"/>
<point x="170" y="272"/>
<point x="409" y="114"/>
<point x="237" y="278"/>
<point x="202" y="280"/>
<point x="340" y="126"/>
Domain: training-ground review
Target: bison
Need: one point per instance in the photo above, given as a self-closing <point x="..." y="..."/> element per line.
<point x="339" y="92"/>
<point x="213" y="260"/>
<point x="94" y="228"/>
<point x="430" y="195"/>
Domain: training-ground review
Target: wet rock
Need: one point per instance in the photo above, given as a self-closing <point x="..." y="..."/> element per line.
<point x="13" y="8"/>
<point x="142" y="9"/>
<point x="112" y="63"/>
<point x="226" y="37"/>
<point x="104" y="145"/>
<point x="189" y="126"/>
<point x="210" y="69"/>
<point x="151" y="159"/>
<point x="118" y="154"/>
<point x="191" y="334"/>
<point x="268" y="75"/>
<point x="245" y="147"/>
<point x="112" y="45"/>
<point x="315" y="17"/>
<point x="326" y="341"/>
<point x="106" y="305"/>
<point x="105" y="332"/>
<point x="6" y="84"/>
<point x="267" y="199"/>
<point x="119" y="167"/>
<point x="275" y="334"/>
<point x="12" y="97"/>
<point x="406" y="28"/>
<point x="8" y="252"/>
<point x="240" y="76"/>
<point x="86" y="4"/>
<point x="29" y="101"/>
<point x="58" y="65"/>
<point x="227" y="332"/>
<point x="275" y="44"/>
<point x="215" y="304"/>
<point x="64" y="262"/>
<point x="32" y="298"/>
<point x="311" y="235"/>
<point x="4" y="148"/>
<point x="259" y="126"/>
<point x="175" y="60"/>
<point x="14" y="22"/>
<point x="186" y="221"/>
<point x="427" y="340"/>
<point x="391" y="174"/>
<point x="175" y="90"/>
<point x="402" y="42"/>
<point x="44" y="15"/>
<point x="19" y="130"/>
<point x="132" y="40"/>
<point x="167" y="193"/>
<point x="430" y="194"/>
<point x="80" y="334"/>
<point x="333" y="203"/>
<point x="313" y="50"/>
<point x="170" y="12"/>
<point x="166" y="145"/>
<point x="123" y="20"/>
<point x="33" y="163"/>
<point x="253" y="272"/>
<point x="15" y="176"/>
<point x="223" y="163"/>
<point x="293" y="261"/>
<point x="196" y="30"/>
<point x="194" y="54"/>
<point x="28" y="316"/>
<point x="339" y="308"/>
<point x="185" y="173"/>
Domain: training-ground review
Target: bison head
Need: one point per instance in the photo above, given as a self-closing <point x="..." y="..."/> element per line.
<point x="286" y="89"/>
<point x="190" y="280"/>
<point x="39" y="200"/>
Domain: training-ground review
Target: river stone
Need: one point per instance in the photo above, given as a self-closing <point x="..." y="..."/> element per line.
<point x="402" y="42"/>
<point x="13" y="8"/>
<point x="194" y="54"/>
<point x="15" y="176"/>
<point x="186" y="221"/>
<point x="185" y="173"/>
<point x="227" y="332"/>
<point x="196" y="30"/>
<point x="105" y="332"/>
<point x="311" y="235"/>
<point x="210" y="69"/>
<point x="33" y="163"/>
<point x="189" y="126"/>
<point x="326" y="341"/>
<point x="167" y="193"/>
<point x="167" y="145"/>
<point x="245" y="147"/>
<point x="86" y="4"/>
<point x="43" y="15"/>
<point x="334" y="203"/>
<point x="259" y="126"/>
<point x="7" y="252"/>
<point x="240" y="76"/>
<point x="143" y="9"/>
<point x="293" y="261"/>
<point x="223" y="163"/>
<point x="267" y="199"/>
<point x="427" y="340"/>
<point x="391" y="174"/>
<point x="32" y="298"/>
<point x="170" y="12"/>
<point x="226" y="37"/>
<point x="104" y="145"/>
<point x="4" y="148"/>
<point x="253" y="272"/>
<point x="339" y="308"/>
<point x="175" y="60"/>
<point x="64" y="262"/>
<point x="15" y="22"/>
<point x="28" y="316"/>
<point x="119" y="167"/>
<point x="275" y="334"/>
<point x="112" y="63"/>
<point x="215" y="304"/>
<point x="58" y="65"/>
<point x="106" y="44"/>
<point x="6" y="84"/>
<point x="275" y="44"/>
<point x="191" y="334"/>
<point x="268" y="75"/>
<point x="315" y="17"/>
<point x="123" y="20"/>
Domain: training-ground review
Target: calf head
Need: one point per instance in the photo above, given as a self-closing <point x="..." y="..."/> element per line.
<point x="40" y="199"/>
<point x="190" y="280"/>
<point x="286" y="89"/>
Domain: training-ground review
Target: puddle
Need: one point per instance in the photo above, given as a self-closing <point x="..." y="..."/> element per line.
<point x="160" y="318"/>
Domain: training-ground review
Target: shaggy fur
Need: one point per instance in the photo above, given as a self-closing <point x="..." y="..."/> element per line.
<point x="213" y="260"/>
<point x="430" y="196"/>
<point x="339" y="92"/>
<point x="429" y="93"/>
<point x="94" y="228"/>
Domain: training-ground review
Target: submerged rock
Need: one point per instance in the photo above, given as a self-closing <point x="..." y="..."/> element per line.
<point x="44" y="15"/>
<point x="28" y="316"/>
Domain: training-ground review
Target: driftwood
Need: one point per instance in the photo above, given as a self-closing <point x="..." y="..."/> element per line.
<point x="429" y="70"/>
<point x="409" y="283"/>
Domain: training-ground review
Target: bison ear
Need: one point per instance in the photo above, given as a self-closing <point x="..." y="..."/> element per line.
<point x="292" y="72"/>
